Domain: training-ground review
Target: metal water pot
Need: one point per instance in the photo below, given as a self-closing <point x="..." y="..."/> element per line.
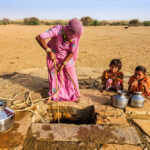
<point x="137" y="100"/>
<point x="120" y="100"/>
<point x="6" y="116"/>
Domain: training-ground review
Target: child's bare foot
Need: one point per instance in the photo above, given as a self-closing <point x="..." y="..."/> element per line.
<point x="47" y="101"/>
<point x="104" y="91"/>
<point x="101" y="90"/>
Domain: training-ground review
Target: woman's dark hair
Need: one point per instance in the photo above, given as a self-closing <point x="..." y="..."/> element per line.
<point x="116" y="62"/>
<point x="141" y="68"/>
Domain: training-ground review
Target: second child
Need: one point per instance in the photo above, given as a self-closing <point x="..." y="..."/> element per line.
<point x="140" y="82"/>
<point x="113" y="78"/>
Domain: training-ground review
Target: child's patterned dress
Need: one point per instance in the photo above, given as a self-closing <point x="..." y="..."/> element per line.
<point x="139" y="87"/>
<point x="110" y="83"/>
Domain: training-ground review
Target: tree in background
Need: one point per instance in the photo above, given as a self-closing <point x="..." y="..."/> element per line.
<point x="146" y="23"/>
<point x="31" y="21"/>
<point x="86" y="21"/>
<point x="5" y="21"/>
<point x="134" y="22"/>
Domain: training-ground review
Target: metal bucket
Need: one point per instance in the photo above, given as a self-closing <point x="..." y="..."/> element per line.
<point x="120" y="100"/>
<point x="6" y="117"/>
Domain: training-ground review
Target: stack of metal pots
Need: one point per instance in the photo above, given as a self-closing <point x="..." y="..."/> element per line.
<point x="6" y="116"/>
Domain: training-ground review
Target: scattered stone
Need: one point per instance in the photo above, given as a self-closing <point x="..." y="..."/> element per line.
<point x="14" y="138"/>
<point x="144" y="125"/>
<point x="139" y="113"/>
<point x="12" y="62"/>
<point x="121" y="121"/>
<point x="119" y="147"/>
<point x="85" y="133"/>
<point x="96" y="97"/>
<point x="99" y="120"/>
<point x="148" y="139"/>
<point x="108" y="111"/>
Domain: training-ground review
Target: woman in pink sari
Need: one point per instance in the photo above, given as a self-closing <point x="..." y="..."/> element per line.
<point x="62" y="48"/>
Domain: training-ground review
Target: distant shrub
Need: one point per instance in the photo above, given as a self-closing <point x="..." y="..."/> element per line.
<point x="1" y="22"/>
<point x="86" y="21"/>
<point x="95" y="23"/>
<point x="146" y="23"/>
<point x="119" y="23"/>
<point x="98" y="23"/>
<point x="54" y="22"/>
<point x="17" y="22"/>
<point x="115" y="23"/>
<point x="5" y="21"/>
<point x="134" y="22"/>
<point x="46" y="23"/>
<point x="103" y="23"/>
<point x="31" y="21"/>
<point x="124" y="23"/>
<point x="59" y="22"/>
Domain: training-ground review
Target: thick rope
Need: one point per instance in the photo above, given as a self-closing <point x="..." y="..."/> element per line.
<point x="57" y="90"/>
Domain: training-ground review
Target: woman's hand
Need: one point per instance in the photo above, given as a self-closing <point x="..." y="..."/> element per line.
<point x="52" y="56"/>
<point x="60" y="68"/>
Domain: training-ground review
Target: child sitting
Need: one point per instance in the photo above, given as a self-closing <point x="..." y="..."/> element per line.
<point x="139" y="82"/>
<point x="113" y="78"/>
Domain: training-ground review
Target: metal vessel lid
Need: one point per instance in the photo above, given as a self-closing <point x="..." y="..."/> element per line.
<point x="138" y="93"/>
<point x="3" y="104"/>
<point x="6" y="113"/>
<point x="122" y="92"/>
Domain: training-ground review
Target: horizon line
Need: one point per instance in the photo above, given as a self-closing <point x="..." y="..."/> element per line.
<point x="21" y="19"/>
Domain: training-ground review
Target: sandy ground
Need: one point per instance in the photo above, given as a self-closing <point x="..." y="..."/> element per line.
<point x="98" y="45"/>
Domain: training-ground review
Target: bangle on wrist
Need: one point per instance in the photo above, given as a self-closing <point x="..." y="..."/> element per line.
<point x="64" y="63"/>
<point x="48" y="50"/>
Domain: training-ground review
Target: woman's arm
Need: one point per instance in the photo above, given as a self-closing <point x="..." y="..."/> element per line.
<point x="45" y="47"/>
<point x="68" y="57"/>
<point x="71" y="51"/>
<point x="42" y="42"/>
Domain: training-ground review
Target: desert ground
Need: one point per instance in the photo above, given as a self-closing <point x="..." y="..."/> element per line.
<point x="113" y="128"/>
<point x="98" y="45"/>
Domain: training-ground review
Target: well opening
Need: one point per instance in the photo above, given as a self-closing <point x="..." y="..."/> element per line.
<point x="68" y="115"/>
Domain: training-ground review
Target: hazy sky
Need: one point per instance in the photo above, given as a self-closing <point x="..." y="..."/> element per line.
<point x="67" y="9"/>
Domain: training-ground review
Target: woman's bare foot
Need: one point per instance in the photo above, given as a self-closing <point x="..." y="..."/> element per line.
<point x="77" y="101"/>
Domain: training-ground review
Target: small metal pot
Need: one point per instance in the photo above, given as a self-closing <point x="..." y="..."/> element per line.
<point x="137" y="100"/>
<point x="6" y="116"/>
<point x="120" y="100"/>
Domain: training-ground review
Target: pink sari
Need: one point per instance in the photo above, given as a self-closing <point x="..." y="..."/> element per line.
<point x="68" y="88"/>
